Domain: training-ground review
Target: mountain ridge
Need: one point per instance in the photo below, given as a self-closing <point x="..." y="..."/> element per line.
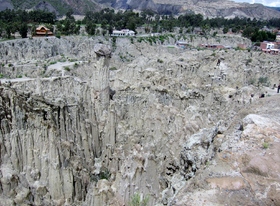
<point x="208" y="8"/>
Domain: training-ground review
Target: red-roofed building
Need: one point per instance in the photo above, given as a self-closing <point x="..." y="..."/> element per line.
<point x="43" y="31"/>
<point x="269" y="47"/>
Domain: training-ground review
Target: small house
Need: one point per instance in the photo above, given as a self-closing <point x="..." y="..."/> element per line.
<point x="182" y="44"/>
<point x="269" y="47"/>
<point x="43" y="31"/>
<point x="123" y="32"/>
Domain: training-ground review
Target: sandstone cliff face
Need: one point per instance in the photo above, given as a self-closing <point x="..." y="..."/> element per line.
<point x="172" y="123"/>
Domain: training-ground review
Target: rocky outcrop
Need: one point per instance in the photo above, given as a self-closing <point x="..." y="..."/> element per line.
<point x="246" y="171"/>
<point x="169" y="132"/>
<point x="197" y="151"/>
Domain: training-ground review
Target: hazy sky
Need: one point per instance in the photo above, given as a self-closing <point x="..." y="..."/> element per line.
<point x="275" y="3"/>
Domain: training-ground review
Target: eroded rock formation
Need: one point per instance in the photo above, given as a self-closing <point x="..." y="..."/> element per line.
<point x="176" y="129"/>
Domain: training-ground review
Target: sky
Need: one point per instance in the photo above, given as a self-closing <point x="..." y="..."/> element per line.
<point x="273" y="3"/>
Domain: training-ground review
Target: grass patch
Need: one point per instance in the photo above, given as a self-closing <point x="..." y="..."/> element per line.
<point x="67" y="69"/>
<point x="72" y="60"/>
<point x="112" y="68"/>
<point x="136" y="200"/>
<point x="263" y="80"/>
<point x="76" y="65"/>
<point x="104" y="174"/>
<point x="54" y="62"/>
<point x="265" y="145"/>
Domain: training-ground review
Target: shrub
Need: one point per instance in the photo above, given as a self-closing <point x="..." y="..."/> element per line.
<point x="160" y="61"/>
<point x="113" y="68"/>
<point x="114" y="43"/>
<point x="265" y="145"/>
<point x="76" y="65"/>
<point x="151" y="41"/>
<point x="67" y="68"/>
<point x="104" y="174"/>
<point x="162" y="39"/>
<point x="248" y="61"/>
<point x="251" y="81"/>
<point x="137" y="201"/>
<point x="140" y="39"/>
<point x="1" y="75"/>
<point x="263" y="80"/>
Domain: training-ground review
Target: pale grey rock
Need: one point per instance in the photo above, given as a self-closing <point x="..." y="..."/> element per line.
<point x="68" y="143"/>
<point x="102" y="50"/>
<point x="197" y="151"/>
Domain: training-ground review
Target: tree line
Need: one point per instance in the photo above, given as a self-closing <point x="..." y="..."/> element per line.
<point x="152" y="22"/>
<point x="107" y="19"/>
<point x="12" y="21"/>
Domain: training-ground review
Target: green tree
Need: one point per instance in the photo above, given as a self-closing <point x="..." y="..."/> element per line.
<point x="23" y="29"/>
<point x="90" y="28"/>
<point x="131" y="24"/>
<point x="248" y="32"/>
<point x="225" y="30"/>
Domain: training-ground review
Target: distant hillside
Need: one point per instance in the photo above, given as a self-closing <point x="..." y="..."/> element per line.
<point x="208" y="8"/>
<point x="60" y="7"/>
<point x="6" y="4"/>
<point x="275" y="8"/>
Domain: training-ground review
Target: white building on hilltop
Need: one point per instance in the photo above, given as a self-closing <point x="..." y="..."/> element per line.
<point x="123" y="32"/>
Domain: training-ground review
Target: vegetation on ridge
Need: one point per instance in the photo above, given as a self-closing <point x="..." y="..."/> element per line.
<point x="103" y="23"/>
